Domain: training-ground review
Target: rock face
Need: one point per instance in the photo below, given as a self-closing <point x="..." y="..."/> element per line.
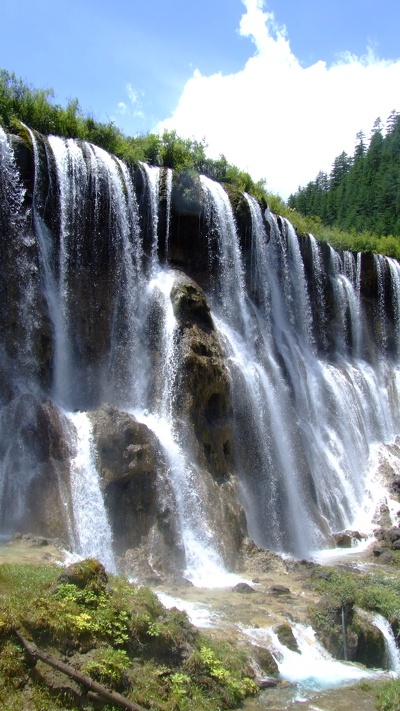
<point x="203" y="389"/>
<point x="204" y="407"/>
<point x="36" y="451"/>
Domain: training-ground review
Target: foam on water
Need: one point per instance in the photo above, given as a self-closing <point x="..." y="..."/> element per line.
<point x="312" y="668"/>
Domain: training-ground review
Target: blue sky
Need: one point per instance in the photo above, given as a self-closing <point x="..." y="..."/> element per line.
<point x="280" y="87"/>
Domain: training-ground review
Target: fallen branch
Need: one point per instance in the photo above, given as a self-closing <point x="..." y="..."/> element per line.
<point x="86" y="681"/>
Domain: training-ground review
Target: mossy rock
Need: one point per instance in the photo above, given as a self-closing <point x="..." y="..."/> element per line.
<point x="265" y="660"/>
<point x="371" y="649"/>
<point x="88" y="573"/>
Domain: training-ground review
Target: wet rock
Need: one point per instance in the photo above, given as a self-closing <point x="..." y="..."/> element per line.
<point x="262" y="560"/>
<point x="35" y="448"/>
<point x="286" y="637"/>
<point x="126" y="449"/>
<point x="264" y="660"/>
<point x="203" y="385"/>
<point x="370" y="649"/>
<point x="266" y="683"/>
<point x="392" y="535"/>
<point x="379" y="551"/>
<point x="346" y="539"/>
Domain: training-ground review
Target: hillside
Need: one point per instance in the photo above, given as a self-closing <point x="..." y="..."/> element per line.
<point x="362" y="192"/>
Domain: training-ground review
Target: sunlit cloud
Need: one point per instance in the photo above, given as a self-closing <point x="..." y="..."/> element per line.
<point x="278" y="119"/>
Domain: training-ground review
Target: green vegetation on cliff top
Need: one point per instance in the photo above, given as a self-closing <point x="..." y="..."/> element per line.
<point x="118" y="634"/>
<point x="20" y="102"/>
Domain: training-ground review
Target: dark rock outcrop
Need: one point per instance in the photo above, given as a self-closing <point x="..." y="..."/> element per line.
<point x="36" y="451"/>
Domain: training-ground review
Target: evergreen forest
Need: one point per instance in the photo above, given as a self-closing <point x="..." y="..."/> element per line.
<point x="362" y="192"/>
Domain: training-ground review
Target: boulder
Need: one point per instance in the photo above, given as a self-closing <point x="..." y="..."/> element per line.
<point x="126" y="449"/>
<point x="370" y="649"/>
<point x="243" y="588"/>
<point x="286" y="637"/>
<point x="264" y="660"/>
<point x="346" y="539"/>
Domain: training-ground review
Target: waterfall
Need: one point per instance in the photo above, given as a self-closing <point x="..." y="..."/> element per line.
<point x="312" y="667"/>
<point x="309" y="460"/>
<point x="152" y="175"/>
<point x="392" y="650"/>
<point x="92" y="532"/>
<point x="394" y="268"/>
<point x="168" y="188"/>
<point x="230" y="288"/>
<point x="308" y="340"/>
<point x="203" y="565"/>
<point x="380" y="264"/>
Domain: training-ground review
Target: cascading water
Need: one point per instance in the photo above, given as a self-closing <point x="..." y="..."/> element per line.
<point x="311" y="424"/>
<point x="314" y="378"/>
<point x="392" y="650"/>
<point x="311" y="668"/>
<point x="168" y="189"/>
<point x="91" y="530"/>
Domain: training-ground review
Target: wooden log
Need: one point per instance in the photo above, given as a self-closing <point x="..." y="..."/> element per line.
<point x="113" y="696"/>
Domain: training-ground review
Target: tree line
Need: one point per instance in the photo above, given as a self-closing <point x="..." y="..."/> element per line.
<point x="362" y="192"/>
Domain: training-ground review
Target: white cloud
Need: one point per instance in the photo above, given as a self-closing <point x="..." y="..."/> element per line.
<point x="279" y="120"/>
<point x="122" y="108"/>
<point x="135" y="107"/>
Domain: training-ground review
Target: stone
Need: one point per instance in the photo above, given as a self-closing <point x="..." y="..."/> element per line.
<point x="264" y="660"/>
<point x="370" y="649"/>
<point x="278" y="590"/>
<point x="286" y="637"/>
<point x="126" y="449"/>
<point x="34" y="440"/>
<point x="243" y="588"/>
<point x="138" y="498"/>
<point x="346" y="539"/>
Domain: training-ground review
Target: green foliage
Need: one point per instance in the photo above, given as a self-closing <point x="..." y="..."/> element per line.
<point x="373" y="592"/>
<point x="119" y="634"/>
<point x="108" y="666"/>
<point x="361" y="196"/>
<point x="36" y="108"/>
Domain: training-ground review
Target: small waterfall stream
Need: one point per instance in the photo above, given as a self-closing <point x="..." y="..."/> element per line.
<point x="392" y="650"/>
